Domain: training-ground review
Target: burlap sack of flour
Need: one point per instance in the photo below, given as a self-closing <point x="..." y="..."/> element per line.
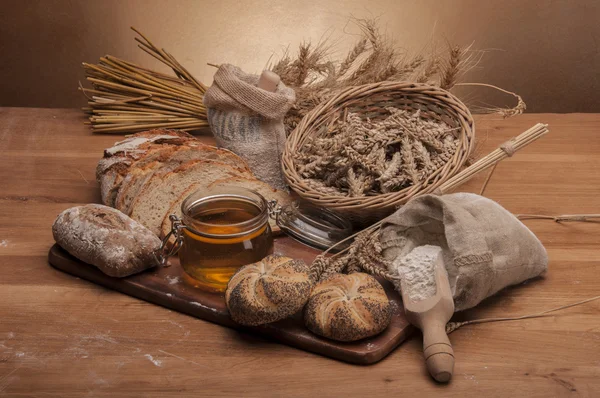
<point x="249" y="121"/>
<point x="485" y="247"/>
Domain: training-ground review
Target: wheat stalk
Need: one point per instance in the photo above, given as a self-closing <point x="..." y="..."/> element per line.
<point x="451" y="68"/>
<point x="126" y="97"/>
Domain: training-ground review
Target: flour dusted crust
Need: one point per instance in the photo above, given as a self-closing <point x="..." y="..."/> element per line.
<point x="347" y="307"/>
<point x="117" y="159"/>
<point x="106" y="238"/>
<point x="138" y="142"/>
<point x="267" y="291"/>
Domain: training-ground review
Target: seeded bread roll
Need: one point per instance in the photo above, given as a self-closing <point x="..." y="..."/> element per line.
<point x="106" y="238"/>
<point x="348" y="307"/>
<point x="268" y="291"/>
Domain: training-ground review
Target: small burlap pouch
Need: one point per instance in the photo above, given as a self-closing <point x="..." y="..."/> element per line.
<point x="249" y="121"/>
<point x="485" y="247"/>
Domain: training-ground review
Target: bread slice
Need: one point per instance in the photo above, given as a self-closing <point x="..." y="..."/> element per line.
<point x="254" y="184"/>
<point x="108" y="172"/>
<point x="165" y="160"/>
<point x="159" y="193"/>
<point x="112" y="169"/>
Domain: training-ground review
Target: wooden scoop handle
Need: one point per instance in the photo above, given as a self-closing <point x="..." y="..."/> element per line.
<point x="439" y="355"/>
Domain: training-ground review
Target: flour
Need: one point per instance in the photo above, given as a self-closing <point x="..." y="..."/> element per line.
<point x="156" y="362"/>
<point x="417" y="272"/>
<point x="197" y="304"/>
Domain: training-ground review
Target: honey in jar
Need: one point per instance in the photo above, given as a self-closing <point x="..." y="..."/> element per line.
<point x="223" y="230"/>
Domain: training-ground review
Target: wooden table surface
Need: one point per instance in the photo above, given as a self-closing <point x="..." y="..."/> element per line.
<point x="61" y="336"/>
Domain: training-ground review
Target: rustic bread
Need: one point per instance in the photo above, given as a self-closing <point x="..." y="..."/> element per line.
<point x="108" y="172"/>
<point x="116" y="162"/>
<point x="262" y="188"/>
<point x="163" y="161"/>
<point x="142" y="169"/>
<point x="159" y="193"/>
<point x="106" y="238"/>
<point x="347" y="307"/>
<point x="267" y="291"/>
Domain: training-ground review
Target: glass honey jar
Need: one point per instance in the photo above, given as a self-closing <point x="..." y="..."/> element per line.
<point x="222" y="229"/>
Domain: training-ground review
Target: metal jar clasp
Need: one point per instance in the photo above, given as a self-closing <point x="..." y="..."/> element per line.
<point x="274" y="210"/>
<point x="162" y="254"/>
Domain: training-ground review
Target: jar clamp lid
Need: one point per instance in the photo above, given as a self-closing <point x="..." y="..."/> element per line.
<point x="314" y="226"/>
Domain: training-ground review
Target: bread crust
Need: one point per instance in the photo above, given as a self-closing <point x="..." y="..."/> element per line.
<point x="348" y="307"/>
<point x="161" y="191"/>
<point x="106" y="238"/>
<point x="267" y="291"/>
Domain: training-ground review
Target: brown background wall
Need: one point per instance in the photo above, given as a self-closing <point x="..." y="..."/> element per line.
<point x="547" y="51"/>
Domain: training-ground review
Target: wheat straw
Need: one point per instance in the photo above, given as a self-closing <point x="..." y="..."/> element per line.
<point x="496" y="156"/>
<point x="126" y="97"/>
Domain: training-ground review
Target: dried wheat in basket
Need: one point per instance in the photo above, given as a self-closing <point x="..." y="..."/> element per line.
<point x="371" y="101"/>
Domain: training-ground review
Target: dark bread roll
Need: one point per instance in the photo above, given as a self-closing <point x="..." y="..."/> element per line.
<point x="267" y="291"/>
<point x="106" y="238"/>
<point x="348" y="307"/>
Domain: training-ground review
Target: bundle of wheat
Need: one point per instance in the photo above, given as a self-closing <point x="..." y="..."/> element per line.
<point x="375" y="58"/>
<point x="127" y="98"/>
<point x="357" y="157"/>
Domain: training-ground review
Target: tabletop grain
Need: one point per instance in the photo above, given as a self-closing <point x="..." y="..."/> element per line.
<point x="63" y="337"/>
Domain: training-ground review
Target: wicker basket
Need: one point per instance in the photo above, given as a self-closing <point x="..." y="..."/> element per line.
<point x="370" y="101"/>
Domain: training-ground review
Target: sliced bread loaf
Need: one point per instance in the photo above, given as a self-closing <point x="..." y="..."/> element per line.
<point x="164" y="161"/>
<point x="158" y="194"/>
<point x="116" y="162"/>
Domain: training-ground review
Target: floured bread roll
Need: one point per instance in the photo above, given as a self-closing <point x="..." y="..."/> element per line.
<point x="348" y="307"/>
<point x="105" y="237"/>
<point x="267" y="291"/>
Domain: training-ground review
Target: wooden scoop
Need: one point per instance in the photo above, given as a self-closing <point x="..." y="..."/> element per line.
<point x="431" y="316"/>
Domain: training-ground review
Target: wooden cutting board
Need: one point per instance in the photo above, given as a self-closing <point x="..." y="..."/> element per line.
<point x="169" y="287"/>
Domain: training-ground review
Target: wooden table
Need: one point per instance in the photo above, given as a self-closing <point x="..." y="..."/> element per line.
<point x="61" y="336"/>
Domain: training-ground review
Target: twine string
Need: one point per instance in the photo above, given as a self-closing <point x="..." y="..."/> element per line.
<point x="452" y="326"/>
<point x="509" y="148"/>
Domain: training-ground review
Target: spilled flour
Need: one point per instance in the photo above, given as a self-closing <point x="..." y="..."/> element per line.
<point x="156" y="362"/>
<point x="417" y="271"/>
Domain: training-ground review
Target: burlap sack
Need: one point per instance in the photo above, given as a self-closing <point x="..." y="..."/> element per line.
<point x="485" y="247"/>
<point x="249" y="121"/>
